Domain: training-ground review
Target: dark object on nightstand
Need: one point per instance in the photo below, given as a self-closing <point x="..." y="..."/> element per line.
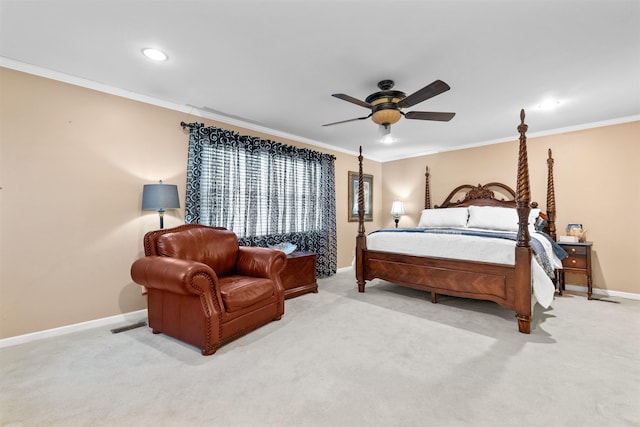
<point x="578" y="261"/>
<point x="299" y="275"/>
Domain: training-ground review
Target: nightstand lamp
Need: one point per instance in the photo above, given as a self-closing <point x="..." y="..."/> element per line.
<point x="160" y="197"/>
<point x="397" y="209"/>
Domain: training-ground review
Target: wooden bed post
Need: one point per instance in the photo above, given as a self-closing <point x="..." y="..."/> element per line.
<point x="427" y="192"/>
<point x="361" y="239"/>
<point x="551" y="198"/>
<point x="523" y="249"/>
<point x="427" y="205"/>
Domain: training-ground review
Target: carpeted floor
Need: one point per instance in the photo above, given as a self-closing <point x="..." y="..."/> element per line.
<point x="387" y="357"/>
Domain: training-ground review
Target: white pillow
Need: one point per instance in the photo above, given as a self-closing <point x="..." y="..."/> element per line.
<point x="497" y="218"/>
<point x="493" y="218"/>
<point x="445" y="217"/>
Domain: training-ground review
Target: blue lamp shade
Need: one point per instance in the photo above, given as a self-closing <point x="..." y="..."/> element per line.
<point x="159" y="197"/>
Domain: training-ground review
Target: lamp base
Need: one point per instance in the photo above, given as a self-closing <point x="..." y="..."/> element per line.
<point x="396" y="219"/>
<point x="161" y="212"/>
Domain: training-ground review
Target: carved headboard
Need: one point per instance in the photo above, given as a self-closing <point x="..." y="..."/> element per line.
<point x="480" y="195"/>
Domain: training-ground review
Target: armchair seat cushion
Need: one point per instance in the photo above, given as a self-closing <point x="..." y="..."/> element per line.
<point x="239" y="292"/>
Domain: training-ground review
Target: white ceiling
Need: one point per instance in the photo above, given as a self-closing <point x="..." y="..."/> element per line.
<point x="272" y="65"/>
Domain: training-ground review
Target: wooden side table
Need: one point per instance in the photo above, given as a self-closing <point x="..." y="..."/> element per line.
<point x="299" y="275"/>
<point x="578" y="261"/>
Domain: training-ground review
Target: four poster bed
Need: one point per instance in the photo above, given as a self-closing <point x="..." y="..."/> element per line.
<point x="503" y="268"/>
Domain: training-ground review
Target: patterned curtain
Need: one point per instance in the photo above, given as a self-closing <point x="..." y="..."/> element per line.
<point x="264" y="191"/>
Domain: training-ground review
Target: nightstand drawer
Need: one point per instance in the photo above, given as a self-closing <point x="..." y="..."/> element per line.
<point x="575" y="262"/>
<point x="575" y="250"/>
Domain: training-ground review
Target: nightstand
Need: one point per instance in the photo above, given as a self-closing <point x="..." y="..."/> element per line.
<point x="578" y="261"/>
<point x="299" y="275"/>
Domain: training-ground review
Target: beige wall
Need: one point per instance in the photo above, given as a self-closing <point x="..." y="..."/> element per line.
<point x="72" y="165"/>
<point x="73" y="162"/>
<point x="596" y="176"/>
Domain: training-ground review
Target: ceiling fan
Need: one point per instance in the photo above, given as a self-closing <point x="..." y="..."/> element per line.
<point x="386" y="104"/>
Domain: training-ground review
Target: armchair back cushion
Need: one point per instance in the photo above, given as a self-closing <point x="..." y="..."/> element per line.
<point x="214" y="247"/>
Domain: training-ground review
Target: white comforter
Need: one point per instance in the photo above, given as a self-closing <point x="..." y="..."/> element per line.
<point x="469" y="248"/>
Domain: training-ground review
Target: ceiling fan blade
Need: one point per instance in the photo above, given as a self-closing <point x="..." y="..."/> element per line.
<point x="429" y="91"/>
<point x="427" y="115"/>
<point x="347" y="121"/>
<point x="353" y="100"/>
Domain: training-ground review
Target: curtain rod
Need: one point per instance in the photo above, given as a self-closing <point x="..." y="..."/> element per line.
<point x="190" y="125"/>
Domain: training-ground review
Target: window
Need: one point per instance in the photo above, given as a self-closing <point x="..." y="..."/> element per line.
<point x="264" y="191"/>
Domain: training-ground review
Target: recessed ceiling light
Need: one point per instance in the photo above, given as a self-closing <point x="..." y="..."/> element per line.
<point x="549" y="104"/>
<point x="155" y="54"/>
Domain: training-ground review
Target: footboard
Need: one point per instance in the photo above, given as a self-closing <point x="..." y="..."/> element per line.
<point x="467" y="279"/>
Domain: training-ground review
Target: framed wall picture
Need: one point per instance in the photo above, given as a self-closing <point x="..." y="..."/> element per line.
<point x="353" y="196"/>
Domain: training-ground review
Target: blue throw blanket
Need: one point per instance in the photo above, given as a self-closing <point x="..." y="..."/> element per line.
<point x="538" y="249"/>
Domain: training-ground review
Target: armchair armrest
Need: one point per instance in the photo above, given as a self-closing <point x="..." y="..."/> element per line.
<point x="175" y="275"/>
<point x="260" y="262"/>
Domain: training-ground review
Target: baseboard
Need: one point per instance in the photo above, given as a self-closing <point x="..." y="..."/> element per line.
<point x="603" y="292"/>
<point x="343" y="269"/>
<point x="134" y="316"/>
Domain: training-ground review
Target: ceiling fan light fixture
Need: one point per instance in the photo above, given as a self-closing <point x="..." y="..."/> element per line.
<point x="386" y="117"/>
<point x="384" y="134"/>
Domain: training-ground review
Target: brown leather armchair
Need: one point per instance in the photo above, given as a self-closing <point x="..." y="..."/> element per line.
<point x="205" y="289"/>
